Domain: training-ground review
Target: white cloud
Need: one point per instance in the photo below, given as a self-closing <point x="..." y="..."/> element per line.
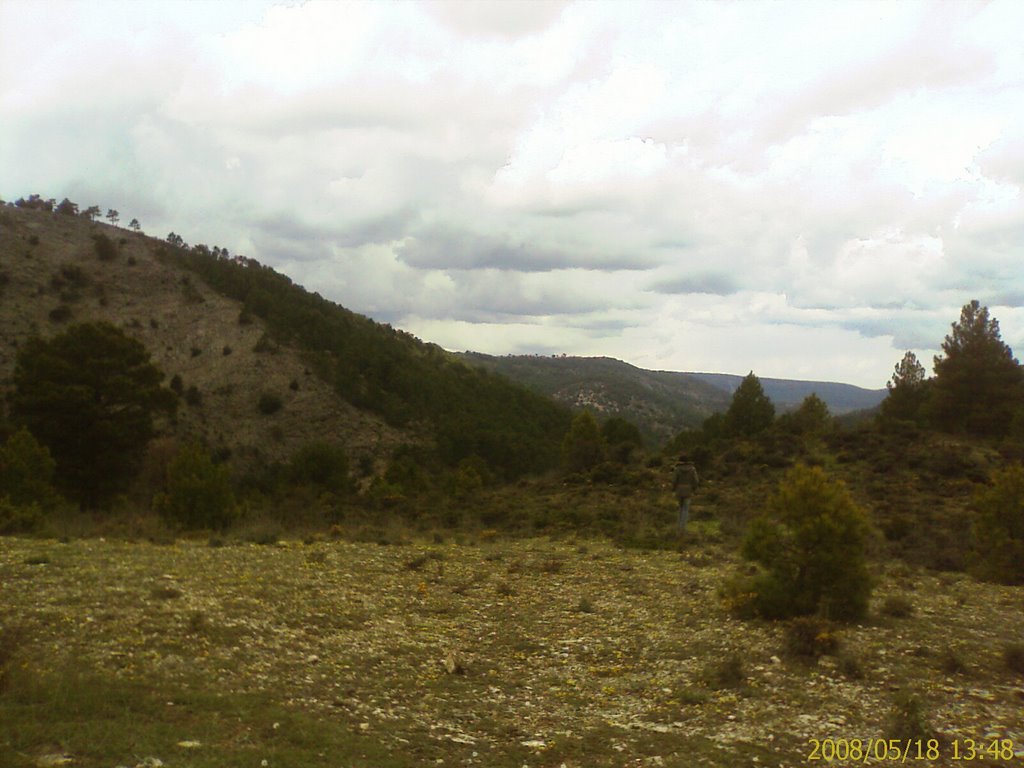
<point x="796" y="188"/>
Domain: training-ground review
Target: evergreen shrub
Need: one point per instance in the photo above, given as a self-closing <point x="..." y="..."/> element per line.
<point x="809" y="545"/>
<point x="199" y="493"/>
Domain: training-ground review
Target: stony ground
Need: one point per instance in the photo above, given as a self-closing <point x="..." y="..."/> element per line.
<point x="534" y="652"/>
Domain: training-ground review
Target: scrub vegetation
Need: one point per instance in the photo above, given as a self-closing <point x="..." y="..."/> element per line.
<point x="339" y="544"/>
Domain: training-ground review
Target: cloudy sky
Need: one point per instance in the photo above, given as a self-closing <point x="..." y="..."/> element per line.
<point x="802" y="189"/>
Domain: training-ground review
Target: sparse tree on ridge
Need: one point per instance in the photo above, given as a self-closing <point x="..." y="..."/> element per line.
<point x="113" y="216"/>
<point x="67" y="208"/>
<point x="91" y="212"/>
<point x="978" y="383"/>
<point x="134" y="225"/>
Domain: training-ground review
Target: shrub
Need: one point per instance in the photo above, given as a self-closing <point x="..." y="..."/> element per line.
<point x="583" y="447"/>
<point x="193" y="397"/>
<point x="18" y="518"/>
<point x="270" y="403"/>
<point x="320" y="464"/>
<point x="199" y="493"/>
<point x="810" y="637"/>
<point x="104" y="247"/>
<point x="60" y="313"/>
<point x="728" y="672"/>
<point x="898" y="607"/>
<point x="26" y="472"/>
<point x="1013" y="657"/>
<point x="951" y="662"/>
<point x="908" y="719"/>
<point x="810" y="545"/>
<point x="998" y="530"/>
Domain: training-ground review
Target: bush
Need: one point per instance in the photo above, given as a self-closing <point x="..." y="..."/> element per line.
<point x="583" y="447"/>
<point x="897" y="607"/>
<point x="1013" y="657"/>
<point x="908" y="720"/>
<point x="105" y="248"/>
<point x="18" y="518"/>
<point x="270" y="403"/>
<point x="199" y="493"/>
<point x="809" y="637"/>
<point x="810" y="545"/>
<point x="998" y="530"/>
<point x="26" y="472"/>
<point x="321" y="464"/>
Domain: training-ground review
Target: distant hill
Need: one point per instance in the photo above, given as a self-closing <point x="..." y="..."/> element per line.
<point x="660" y="403"/>
<point x="789" y="393"/>
<point x="231" y="330"/>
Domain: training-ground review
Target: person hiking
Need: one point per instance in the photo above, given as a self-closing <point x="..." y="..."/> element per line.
<point x="684" y="484"/>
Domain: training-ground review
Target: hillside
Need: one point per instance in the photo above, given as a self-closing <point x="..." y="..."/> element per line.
<point x="660" y="403"/>
<point x="789" y="393"/>
<point x="232" y="330"/>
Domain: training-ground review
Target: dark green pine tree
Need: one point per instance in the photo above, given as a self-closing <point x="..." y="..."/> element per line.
<point x="978" y="383"/>
<point x="89" y="395"/>
<point x="750" y="411"/>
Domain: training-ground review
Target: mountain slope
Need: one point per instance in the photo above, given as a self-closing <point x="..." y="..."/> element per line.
<point x="231" y="330"/>
<point x="660" y="403"/>
<point x="789" y="393"/>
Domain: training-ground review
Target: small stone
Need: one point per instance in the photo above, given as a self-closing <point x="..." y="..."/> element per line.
<point x="50" y="761"/>
<point x="364" y="726"/>
<point x="189" y="744"/>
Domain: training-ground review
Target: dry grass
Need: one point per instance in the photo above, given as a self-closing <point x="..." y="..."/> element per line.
<point x="613" y="658"/>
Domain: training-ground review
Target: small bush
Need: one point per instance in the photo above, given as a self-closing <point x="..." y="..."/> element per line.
<point x="105" y="248"/>
<point x="12" y="639"/>
<point x="897" y="607"/>
<point x="199" y="493"/>
<point x="999" y="528"/>
<point x="1013" y="658"/>
<point x="951" y="663"/>
<point x="18" y="518"/>
<point x="725" y="673"/>
<point x="585" y="605"/>
<point x="809" y="637"/>
<point x="269" y="403"/>
<point x="226" y="351"/>
<point x="810" y="544"/>
<point x="908" y="719"/>
<point x="60" y="314"/>
<point x="322" y="465"/>
<point x="193" y="397"/>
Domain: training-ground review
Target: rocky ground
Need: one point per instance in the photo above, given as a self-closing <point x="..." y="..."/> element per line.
<point x="518" y="653"/>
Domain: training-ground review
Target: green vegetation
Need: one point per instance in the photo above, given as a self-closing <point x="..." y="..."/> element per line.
<point x="199" y="493"/>
<point x="999" y="527"/>
<point x="584" y="446"/>
<point x="375" y="367"/>
<point x="750" y="411"/>
<point x="89" y="395"/>
<point x="811" y="545"/>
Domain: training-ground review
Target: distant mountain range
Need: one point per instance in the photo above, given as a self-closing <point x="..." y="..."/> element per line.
<point x="660" y="403"/>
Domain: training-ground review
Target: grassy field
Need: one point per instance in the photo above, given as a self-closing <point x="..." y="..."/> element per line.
<point x="494" y="652"/>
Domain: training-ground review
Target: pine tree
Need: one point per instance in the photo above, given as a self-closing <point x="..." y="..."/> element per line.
<point x="978" y="382"/>
<point x="908" y="391"/>
<point x="750" y="411"/>
<point x="89" y="395"/>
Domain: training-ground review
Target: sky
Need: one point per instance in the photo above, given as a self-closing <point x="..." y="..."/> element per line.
<point x="804" y="190"/>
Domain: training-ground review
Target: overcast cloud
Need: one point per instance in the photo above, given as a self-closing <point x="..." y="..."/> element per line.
<point x="802" y="189"/>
